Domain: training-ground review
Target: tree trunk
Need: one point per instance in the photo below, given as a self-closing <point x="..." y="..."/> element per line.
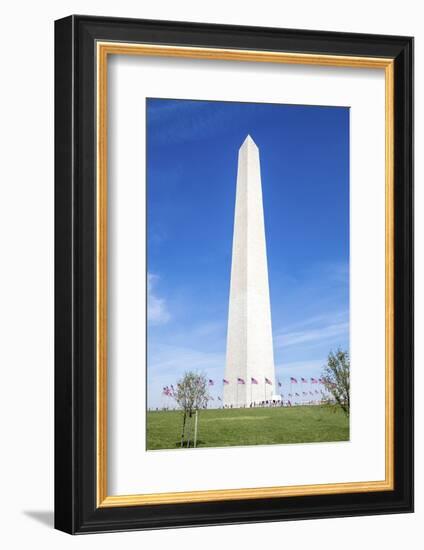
<point x="189" y="431"/>
<point x="195" y="428"/>
<point x="183" y="431"/>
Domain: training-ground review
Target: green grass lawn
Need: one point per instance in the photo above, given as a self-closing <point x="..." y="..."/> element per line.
<point x="259" y="426"/>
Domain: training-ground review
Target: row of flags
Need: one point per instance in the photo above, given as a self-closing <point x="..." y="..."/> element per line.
<point x="305" y="381"/>
<point x="242" y="381"/>
<point x="305" y="393"/>
<point x="267" y="381"/>
<point x="169" y="390"/>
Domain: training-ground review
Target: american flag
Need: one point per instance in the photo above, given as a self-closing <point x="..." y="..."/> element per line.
<point x="225" y="381"/>
<point x="311" y="393"/>
<point x="304" y="380"/>
<point x="210" y="382"/>
<point x="279" y="384"/>
<point x="290" y="395"/>
<point x="293" y="380"/>
<point x="219" y="399"/>
<point x="253" y="380"/>
<point x="314" y="381"/>
<point x="167" y="391"/>
<point x="268" y="381"/>
<point x="304" y="393"/>
<point x="240" y="381"/>
<point x="316" y="391"/>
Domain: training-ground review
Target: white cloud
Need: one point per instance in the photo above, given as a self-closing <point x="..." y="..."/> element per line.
<point x="176" y="360"/>
<point x="327" y="328"/>
<point x="300" y="368"/>
<point x="167" y="364"/>
<point x="157" y="310"/>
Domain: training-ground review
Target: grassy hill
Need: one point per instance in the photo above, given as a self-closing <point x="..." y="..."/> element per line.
<point x="258" y="426"/>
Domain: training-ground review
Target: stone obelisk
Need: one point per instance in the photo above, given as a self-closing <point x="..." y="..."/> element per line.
<point x="250" y="356"/>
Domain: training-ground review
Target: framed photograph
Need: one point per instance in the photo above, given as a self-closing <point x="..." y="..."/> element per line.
<point x="234" y="274"/>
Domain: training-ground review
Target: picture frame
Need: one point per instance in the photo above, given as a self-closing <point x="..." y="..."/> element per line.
<point x="83" y="45"/>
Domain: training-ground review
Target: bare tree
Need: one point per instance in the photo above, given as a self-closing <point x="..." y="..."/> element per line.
<point x="336" y="378"/>
<point x="191" y="394"/>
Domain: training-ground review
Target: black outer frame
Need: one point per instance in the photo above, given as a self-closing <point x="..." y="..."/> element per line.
<point x="75" y="275"/>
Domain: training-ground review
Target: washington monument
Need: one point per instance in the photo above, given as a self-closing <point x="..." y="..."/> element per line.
<point x="249" y="371"/>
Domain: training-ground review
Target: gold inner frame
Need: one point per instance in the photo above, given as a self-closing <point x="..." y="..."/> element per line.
<point x="103" y="50"/>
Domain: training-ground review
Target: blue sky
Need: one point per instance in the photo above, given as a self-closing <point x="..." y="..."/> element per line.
<point x="192" y="149"/>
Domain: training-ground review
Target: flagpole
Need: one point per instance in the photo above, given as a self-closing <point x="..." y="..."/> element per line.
<point x="251" y="391"/>
<point x="195" y="429"/>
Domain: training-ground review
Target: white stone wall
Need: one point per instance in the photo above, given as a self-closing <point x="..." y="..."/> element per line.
<point x="249" y="338"/>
